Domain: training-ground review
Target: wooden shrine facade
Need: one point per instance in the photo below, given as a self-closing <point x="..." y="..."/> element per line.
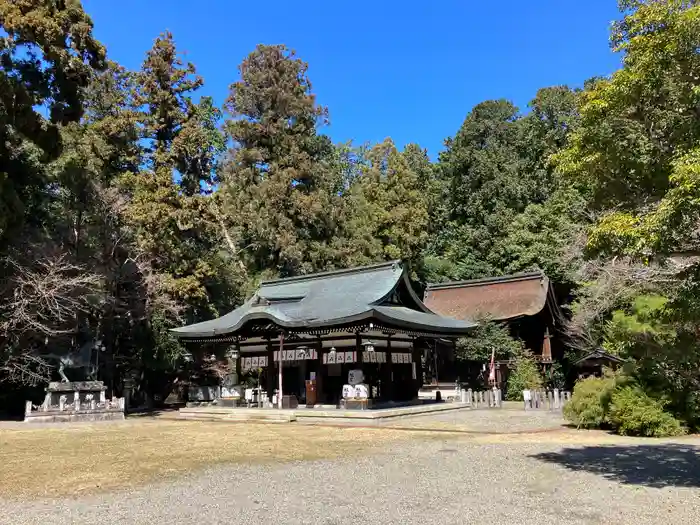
<point x="321" y="326"/>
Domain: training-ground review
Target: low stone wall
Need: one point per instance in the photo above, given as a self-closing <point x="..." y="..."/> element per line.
<point x="75" y="401"/>
<point x="56" y="416"/>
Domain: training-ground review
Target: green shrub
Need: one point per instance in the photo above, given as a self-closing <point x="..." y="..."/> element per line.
<point x="478" y="345"/>
<point x="555" y="377"/>
<point x="588" y="406"/>
<point x="633" y="413"/>
<point x="525" y="376"/>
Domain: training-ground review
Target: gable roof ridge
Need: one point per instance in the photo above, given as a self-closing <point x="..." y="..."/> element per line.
<point x="599" y="352"/>
<point x="525" y="276"/>
<point x="332" y="273"/>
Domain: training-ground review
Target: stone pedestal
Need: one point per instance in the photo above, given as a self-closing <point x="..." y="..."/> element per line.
<point x="76" y="401"/>
<point x="75" y="391"/>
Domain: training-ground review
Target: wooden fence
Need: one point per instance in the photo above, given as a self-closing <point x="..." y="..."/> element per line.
<point x="545" y="399"/>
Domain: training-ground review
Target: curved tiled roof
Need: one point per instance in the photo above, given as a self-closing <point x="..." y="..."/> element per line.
<point x="494" y="298"/>
<point x="331" y="298"/>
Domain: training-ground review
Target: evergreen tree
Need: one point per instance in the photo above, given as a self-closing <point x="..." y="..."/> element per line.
<point x="482" y="187"/>
<point x="495" y="180"/>
<point x="281" y="196"/>
<point x="174" y="229"/>
<point x="88" y="215"/>
<point x="387" y="208"/>
<point x="47" y="55"/>
<point x="175" y="239"/>
<point x="544" y="131"/>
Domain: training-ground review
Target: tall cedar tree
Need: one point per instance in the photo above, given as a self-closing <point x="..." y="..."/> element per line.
<point x="170" y="213"/>
<point x="483" y="187"/>
<point x="47" y="55"/>
<point x="88" y="214"/>
<point x="495" y="184"/>
<point x="280" y="193"/>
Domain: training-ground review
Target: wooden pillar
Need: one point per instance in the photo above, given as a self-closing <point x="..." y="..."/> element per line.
<point x="280" y="368"/>
<point x="359" y="349"/>
<point x="238" y="362"/>
<point x="417" y="353"/>
<point x="270" y="375"/>
<point x="361" y="353"/>
<point x="389" y="387"/>
<point x="320" y="398"/>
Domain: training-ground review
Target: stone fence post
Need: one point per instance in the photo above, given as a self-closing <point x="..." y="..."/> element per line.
<point x="47" y="402"/>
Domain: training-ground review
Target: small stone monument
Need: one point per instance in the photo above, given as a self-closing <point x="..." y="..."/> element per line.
<point x="75" y="401"/>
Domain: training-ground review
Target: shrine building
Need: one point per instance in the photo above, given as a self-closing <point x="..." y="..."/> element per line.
<point x="309" y="334"/>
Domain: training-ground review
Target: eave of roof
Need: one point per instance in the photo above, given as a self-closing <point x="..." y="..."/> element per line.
<point x="331" y="273"/>
<point x="526" y="276"/>
<point x="389" y="316"/>
<point x="600" y="354"/>
<point x="331" y="299"/>
<point x="500" y="298"/>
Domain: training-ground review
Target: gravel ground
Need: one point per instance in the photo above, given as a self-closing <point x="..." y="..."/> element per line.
<point x="484" y="420"/>
<point x="529" y="479"/>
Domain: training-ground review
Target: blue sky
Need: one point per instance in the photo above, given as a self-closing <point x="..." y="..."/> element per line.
<point x="384" y="68"/>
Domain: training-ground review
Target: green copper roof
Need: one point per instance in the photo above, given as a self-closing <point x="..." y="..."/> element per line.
<point x="328" y="299"/>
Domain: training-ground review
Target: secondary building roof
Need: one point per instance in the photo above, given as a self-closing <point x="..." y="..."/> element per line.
<point x="494" y="298"/>
<point x="599" y="356"/>
<point x="380" y="293"/>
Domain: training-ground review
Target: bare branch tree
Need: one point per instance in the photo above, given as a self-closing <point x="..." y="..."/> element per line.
<point x="46" y="298"/>
<point x="41" y="303"/>
<point x="25" y="368"/>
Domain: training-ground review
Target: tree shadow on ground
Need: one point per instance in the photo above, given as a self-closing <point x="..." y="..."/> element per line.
<point x="650" y="465"/>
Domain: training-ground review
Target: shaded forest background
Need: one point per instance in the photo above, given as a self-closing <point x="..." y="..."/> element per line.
<point x="130" y="204"/>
